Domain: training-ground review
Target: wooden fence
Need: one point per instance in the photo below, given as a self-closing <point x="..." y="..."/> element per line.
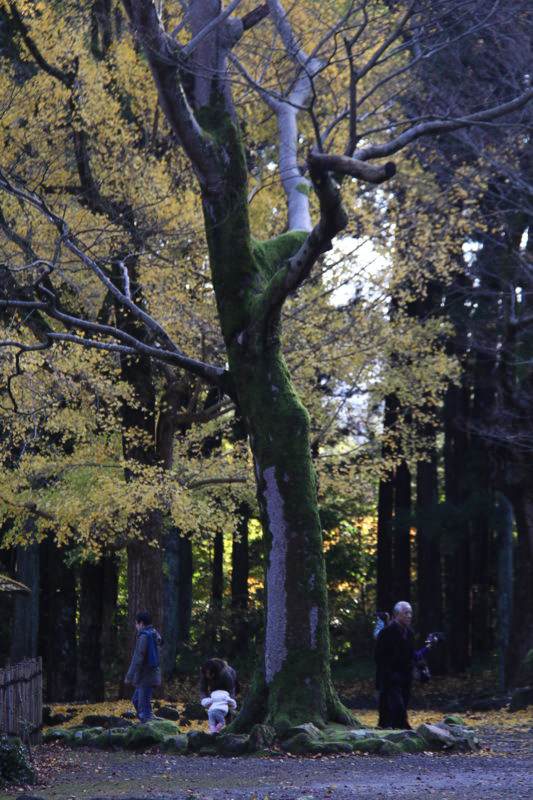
<point x="21" y="699"/>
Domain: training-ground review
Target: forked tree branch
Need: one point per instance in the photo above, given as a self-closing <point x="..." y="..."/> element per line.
<point x="333" y="219"/>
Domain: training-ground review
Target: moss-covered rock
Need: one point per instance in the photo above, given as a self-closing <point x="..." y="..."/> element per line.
<point x="301" y="743"/>
<point x="454" y="719"/>
<point x="146" y="735"/>
<point x="436" y="737"/>
<point x="106" y="721"/>
<point x="168" y="712"/>
<point x="330" y="748"/>
<point x="521" y="698"/>
<point x="175" y="744"/>
<point x="58" y="719"/>
<point x="411" y="744"/>
<point x="371" y="744"/>
<point x="195" y="711"/>
<point x="307" y="728"/>
<point x="232" y="744"/>
<point x="14" y="764"/>
<point x="113" y="739"/>
<point x="465" y="739"/>
<point x="57" y="735"/>
<point x="84" y="736"/>
<point x="390" y="748"/>
<point x="261" y="738"/>
<point x="360" y="735"/>
<point x="199" y="739"/>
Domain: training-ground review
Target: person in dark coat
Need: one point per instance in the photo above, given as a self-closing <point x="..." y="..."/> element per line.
<point x="215" y="675"/>
<point x="144" y="671"/>
<point x="395" y="656"/>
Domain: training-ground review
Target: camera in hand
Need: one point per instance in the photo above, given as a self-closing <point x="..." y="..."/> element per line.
<point x="434" y="638"/>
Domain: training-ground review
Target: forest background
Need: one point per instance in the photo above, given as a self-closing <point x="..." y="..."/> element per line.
<point x="127" y="480"/>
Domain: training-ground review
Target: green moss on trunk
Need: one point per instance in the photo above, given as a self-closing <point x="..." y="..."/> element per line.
<point x="293" y="683"/>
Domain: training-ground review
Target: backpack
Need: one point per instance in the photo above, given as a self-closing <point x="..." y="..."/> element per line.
<point x="152" y="652"/>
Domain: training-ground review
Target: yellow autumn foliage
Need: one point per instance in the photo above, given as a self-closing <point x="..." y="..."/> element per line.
<point x="67" y="432"/>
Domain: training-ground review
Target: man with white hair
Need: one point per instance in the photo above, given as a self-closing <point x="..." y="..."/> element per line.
<point x="395" y="656"/>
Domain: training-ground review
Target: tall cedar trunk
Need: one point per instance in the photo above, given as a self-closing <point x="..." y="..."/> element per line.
<point x="111" y="660"/>
<point x="240" y="563"/>
<point x="217" y="573"/>
<point x="240" y="567"/>
<point x="25" y="619"/>
<point x="521" y="639"/>
<point x="90" y="675"/>
<point x="214" y="621"/>
<point x="145" y="554"/>
<point x="385" y="572"/>
<point x="57" y="630"/>
<point x="402" y="529"/>
<point x="504" y="521"/>
<point x="171" y="398"/>
<point x="457" y="561"/>
<point x="482" y="579"/>
<point x="145" y="575"/>
<point x="428" y="555"/>
<point x="185" y="583"/>
<point x="429" y="584"/>
<point x="481" y="466"/>
<point x="171" y="600"/>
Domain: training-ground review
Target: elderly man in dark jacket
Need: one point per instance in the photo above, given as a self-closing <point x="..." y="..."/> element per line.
<point x="395" y="658"/>
<point x="144" y="671"/>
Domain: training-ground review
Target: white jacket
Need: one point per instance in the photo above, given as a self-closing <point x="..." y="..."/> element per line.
<point x="219" y="700"/>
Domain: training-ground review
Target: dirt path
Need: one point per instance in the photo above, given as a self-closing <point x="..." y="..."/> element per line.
<point x="503" y="769"/>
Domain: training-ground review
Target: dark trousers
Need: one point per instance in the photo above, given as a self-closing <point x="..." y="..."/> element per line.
<point x="142" y="700"/>
<point x="393" y="702"/>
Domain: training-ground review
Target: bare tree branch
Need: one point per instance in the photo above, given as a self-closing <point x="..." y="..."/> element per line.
<point x="344" y="165"/>
<point x="168" y="352"/>
<point x="441" y="126"/>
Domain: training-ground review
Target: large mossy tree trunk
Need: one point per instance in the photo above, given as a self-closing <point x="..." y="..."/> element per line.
<point x="292" y="683"/>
